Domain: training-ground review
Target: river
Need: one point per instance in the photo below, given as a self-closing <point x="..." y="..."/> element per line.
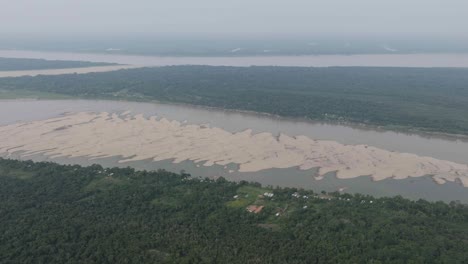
<point x="438" y="147"/>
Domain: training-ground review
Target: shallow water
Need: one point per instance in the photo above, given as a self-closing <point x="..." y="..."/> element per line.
<point x="424" y="187"/>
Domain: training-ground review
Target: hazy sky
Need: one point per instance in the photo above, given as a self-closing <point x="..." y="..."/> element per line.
<point x="436" y="17"/>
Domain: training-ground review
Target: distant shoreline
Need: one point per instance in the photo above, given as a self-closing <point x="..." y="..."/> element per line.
<point x="419" y="60"/>
<point x="80" y="70"/>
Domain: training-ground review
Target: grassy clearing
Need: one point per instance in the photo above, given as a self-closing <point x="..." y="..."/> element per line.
<point x="247" y="195"/>
<point x="104" y="184"/>
<point x="277" y="209"/>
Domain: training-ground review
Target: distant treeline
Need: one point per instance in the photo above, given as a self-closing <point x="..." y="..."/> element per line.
<point x="51" y="213"/>
<point x="424" y="99"/>
<point x="14" y="64"/>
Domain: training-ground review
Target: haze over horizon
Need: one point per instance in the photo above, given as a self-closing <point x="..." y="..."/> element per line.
<point x="242" y="17"/>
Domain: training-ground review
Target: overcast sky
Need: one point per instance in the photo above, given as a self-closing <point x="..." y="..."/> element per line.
<point x="436" y="17"/>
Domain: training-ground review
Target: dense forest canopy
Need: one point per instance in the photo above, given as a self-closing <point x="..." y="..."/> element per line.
<point x="424" y="99"/>
<point x="52" y="213"/>
<point x="17" y="64"/>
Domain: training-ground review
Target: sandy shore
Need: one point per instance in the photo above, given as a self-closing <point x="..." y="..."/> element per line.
<point x="138" y="138"/>
<point x="66" y="71"/>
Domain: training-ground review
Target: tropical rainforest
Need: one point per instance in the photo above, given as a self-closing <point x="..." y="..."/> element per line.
<point x="420" y="99"/>
<point x="52" y="213"/>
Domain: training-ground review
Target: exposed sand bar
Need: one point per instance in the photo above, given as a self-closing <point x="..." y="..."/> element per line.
<point x="66" y="71"/>
<point x="138" y="138"/>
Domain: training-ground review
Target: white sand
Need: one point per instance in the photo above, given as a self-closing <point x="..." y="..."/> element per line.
<point x="137" y="138"/>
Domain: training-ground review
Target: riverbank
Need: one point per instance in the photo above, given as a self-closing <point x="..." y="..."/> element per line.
<point x="409" y="100"/>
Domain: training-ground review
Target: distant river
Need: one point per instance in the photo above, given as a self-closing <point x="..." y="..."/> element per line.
<point x="377" y="60"/>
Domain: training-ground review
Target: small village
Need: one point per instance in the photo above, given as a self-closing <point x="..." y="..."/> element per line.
<point x="257" y="200"/>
